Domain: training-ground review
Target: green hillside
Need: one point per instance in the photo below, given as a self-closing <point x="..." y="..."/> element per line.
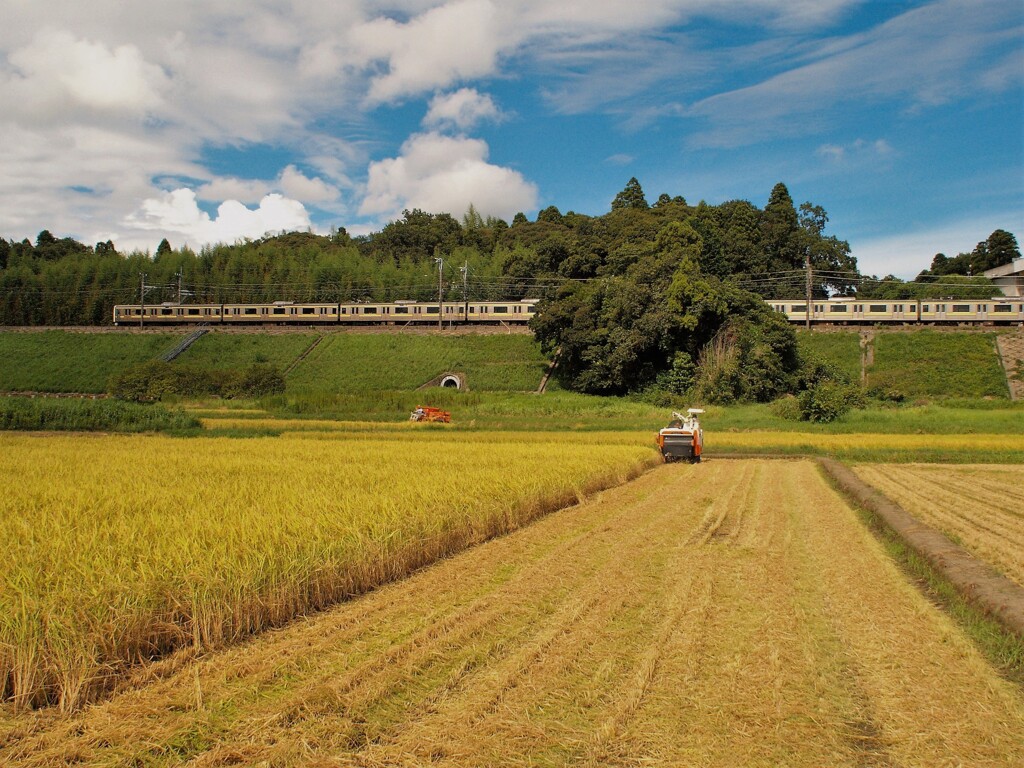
<point x="938" y="364"/>
<point x="225" y="351"/>
<point x="841" y="350"/>
<point x="59" y="361"/>
<point x="352" y="363"/>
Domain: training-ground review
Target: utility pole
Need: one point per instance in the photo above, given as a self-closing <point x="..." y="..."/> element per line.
<point x="465" y="291"/>
<point x="807" y="266"/>
<point x="440" y="293"/>
<point x="142" y="298"/>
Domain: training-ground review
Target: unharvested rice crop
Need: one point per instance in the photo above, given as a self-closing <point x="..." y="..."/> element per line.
<point x="117" y="549"/>
<point x="979" y="507"/>
<point x="810" y="441"/>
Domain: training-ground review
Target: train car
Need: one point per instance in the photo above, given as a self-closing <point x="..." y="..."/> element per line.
<point x="167" y="313"/>
<point x="847" y="311"/>
<point x="321" y="313"/>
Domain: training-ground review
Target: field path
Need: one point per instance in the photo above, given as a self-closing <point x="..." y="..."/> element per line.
<point x="729" y="613"/>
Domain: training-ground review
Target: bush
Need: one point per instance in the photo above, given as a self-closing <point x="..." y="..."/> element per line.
<point x="787" y="407"/>
<point x="89" y="415"/>
<point x="827" y="401"/>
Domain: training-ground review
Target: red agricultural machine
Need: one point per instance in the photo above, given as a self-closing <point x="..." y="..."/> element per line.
<point x="682" y="438"/>
<point x="428" y="414"/>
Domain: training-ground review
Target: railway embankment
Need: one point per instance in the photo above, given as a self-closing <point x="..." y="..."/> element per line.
<point x="1011" y="355"/>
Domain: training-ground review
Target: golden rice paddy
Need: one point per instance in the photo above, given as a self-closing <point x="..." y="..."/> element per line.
<point x="733" y="613"/>
<point x="117" y="549"/>
<point x="981" y="507"/>
<point x="813" y="441"/>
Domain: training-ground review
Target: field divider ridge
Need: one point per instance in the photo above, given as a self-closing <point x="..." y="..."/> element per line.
<point x="982" y="585"/>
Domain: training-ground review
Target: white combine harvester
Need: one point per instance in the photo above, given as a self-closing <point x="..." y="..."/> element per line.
<point x="682" y="438"/>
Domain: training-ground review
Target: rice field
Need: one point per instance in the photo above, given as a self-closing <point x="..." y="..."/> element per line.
<point x="979" y="507"/>
<point x="118" y="549"/>
<point x="733" y="613"/>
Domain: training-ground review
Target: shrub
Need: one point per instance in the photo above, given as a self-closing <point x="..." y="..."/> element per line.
<point x="827" y="401"/>
<point x="787" y="407"/>
<point x="156" y="380"/>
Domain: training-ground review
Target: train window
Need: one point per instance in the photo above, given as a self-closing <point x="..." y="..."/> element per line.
<point x="838" y="308"/>
<point x="472" y="310"/>
<point x="898" y="308"/>
<point x="344" y="310"/>
<point x="797" y="307"/>
<point x="530" y="308"/>
<point x="309" y="310"/>
<point x="278" y="310"/>
<point x="401" y="310"/>
<point x="193" y="311"/>
<point x="334" y="310"/>
<point x="369" y="310"/>
<point x="165" y="311"/>
<point x="983" y="307"/>
<point x="1002" y="308"/>
<point x="961" y="307"/>
<point x="250" y="310"/>
<point x="877" y="308"/>
<point x="432" y="310"/>
<point x="500" y="310"/>
<point x="925" y="308"/>
<point x="483" y="310"/>
<point x="940" y="307"/>
<point x="263" y="311"/>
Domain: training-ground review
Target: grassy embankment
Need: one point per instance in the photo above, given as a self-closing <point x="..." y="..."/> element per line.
<point x="61" y="361"/>
<point x="46" y="414"/>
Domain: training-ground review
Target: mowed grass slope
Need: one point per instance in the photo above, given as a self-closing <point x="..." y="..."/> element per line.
<point x="938" y="364"/>
<point x="727" y="614"/>
<point x="353" y="363"/>
<point x="840" y="349"/>
<point x="61" y="361"/>
<point x="233" y="351"/>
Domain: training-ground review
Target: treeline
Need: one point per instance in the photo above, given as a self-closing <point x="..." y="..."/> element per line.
<point x="59" y="281"/>
<point x="959" y="277"/>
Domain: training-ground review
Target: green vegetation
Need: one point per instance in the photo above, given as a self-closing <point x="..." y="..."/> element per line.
<point x="45" y="413"/>
<point x="359" y="363"/>
<point x="156" y="379"/>
<point x="61" y="361"/>
<point x="225" y="351"/>
<point x="935" y="364"/>
<point x="841" y="350"/>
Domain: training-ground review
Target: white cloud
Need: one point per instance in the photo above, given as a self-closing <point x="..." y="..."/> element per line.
<point x="906" y="254"/>
<point x="859" y="149"/>
<point x="243" y="190"/>
<point x="463" y="109"/>
<point x="446" y="44"/>
<point x="177" y="215"/>
<point x="299" y="186"/>
<point x="442" y="174"/>
<point x="57" y="68"/>
<point x="620" y="159"/>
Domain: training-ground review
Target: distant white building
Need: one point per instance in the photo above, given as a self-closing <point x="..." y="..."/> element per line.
<point x="1009" y="277"/>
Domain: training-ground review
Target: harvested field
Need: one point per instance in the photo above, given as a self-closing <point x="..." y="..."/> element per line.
<point x="979" y="507"/>
<point x="723" y="614"/>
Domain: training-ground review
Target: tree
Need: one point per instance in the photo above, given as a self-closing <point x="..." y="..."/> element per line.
<point x="780" y="225"/>
<point x="1002" y="249"/>
<point x="632" y="196"/>
<point x="163" y="249"/>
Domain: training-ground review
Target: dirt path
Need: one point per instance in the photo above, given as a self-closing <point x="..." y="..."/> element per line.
<point x="730" y="613"/>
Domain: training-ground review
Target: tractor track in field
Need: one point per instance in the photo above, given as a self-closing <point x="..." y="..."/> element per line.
<point x="726" y="613"/>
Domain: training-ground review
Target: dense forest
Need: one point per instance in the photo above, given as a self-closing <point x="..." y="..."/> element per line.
<point x="637" y="297"/>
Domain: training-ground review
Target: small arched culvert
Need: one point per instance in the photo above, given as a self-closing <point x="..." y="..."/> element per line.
<point x="450" y="380"/>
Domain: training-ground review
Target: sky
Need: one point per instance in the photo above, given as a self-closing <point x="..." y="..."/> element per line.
<point x="213" y="120"/>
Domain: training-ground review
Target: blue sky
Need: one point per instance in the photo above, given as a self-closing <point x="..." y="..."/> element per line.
<point x="210" y="121"/>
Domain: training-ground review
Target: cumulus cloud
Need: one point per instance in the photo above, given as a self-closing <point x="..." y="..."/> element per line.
<point x="230" y="188"/>
<point x="177" y="213"/>
<point x="463" y="109"/>
<point x="299" y="186"/>
<point x="444" y="174"/>
<point x="57" y="68"/>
